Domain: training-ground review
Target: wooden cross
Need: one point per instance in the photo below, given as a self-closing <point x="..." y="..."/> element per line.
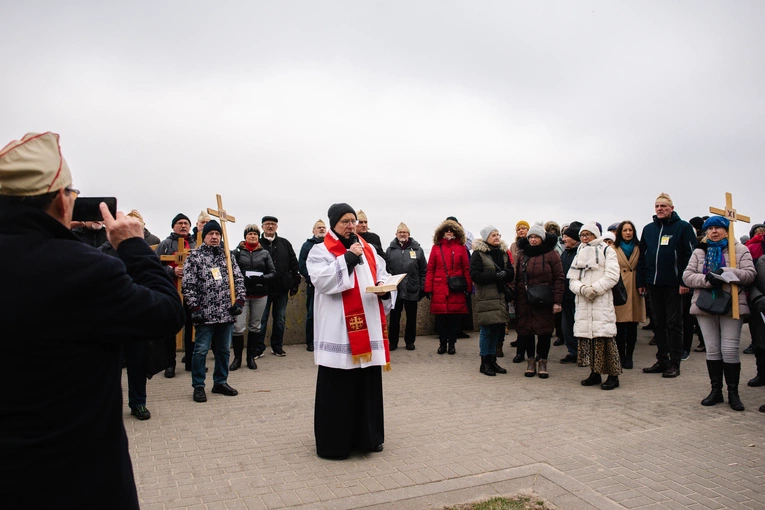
<point x="730" y="214"/>
<point x="179" y="257"/>
<point x="220" y="213"/>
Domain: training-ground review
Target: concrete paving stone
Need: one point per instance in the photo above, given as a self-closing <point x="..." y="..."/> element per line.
<point x="637" y="502"/>
<point x="704" y="501"/>
<point x="272" y="501"/>
<point x="729" y="503"/>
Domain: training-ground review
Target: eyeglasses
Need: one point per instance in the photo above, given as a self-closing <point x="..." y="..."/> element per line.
<point x="347" y="222"/>
<point x="402" y="232"/>
<point x="586" y="234"/>
<point x="72" y="190"/>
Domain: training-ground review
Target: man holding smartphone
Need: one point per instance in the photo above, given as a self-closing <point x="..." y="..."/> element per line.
<point x="61" y="426"/>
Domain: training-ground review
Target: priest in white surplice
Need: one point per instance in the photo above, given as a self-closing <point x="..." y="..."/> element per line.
<point x="350" y="339"/>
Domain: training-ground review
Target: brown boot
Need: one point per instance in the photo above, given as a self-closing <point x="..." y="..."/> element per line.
<point x="543" y="369"/>
<point x="531" y="368"/>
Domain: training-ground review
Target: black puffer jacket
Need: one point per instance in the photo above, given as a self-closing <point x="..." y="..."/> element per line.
<point x="257" y="260"/>
<point x="304" y="251"/>
<point x="287" y="275"/>
<point x="409" y="259"/>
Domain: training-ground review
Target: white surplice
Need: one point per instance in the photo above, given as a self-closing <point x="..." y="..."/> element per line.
<point x="329" y="275"/>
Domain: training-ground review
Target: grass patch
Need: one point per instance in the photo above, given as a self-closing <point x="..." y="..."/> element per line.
<point x="515" y="503"/>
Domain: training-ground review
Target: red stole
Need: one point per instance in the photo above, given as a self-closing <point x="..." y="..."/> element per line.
<point x="353" y="307"/>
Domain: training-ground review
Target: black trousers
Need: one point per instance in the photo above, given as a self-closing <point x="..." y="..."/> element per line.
<point x="447" y="325"/>
<point x="188" y="341"/>
<point x="542" y="346"/>
<point x="349" y="411"/>
<point x="689" y="322"/>
<point x="626" y="338"/>
<point x="394" y="321"/>
<point x="667" y="308"/>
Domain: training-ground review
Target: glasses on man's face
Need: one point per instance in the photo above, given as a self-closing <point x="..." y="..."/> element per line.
<point x="269" y="224"/>
<point x="402" y="232"/>
<point x="72" y="190"/>
<point x="347" y="222"/>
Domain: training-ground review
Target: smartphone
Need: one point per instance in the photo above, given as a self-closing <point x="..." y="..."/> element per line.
<point x="86" y="208"/>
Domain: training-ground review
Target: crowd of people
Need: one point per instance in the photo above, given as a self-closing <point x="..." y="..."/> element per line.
<point x="588" y="288"/>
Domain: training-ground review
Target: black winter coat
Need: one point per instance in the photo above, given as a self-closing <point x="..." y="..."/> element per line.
<point x="304" y="251"/>
<point x="666" y="247"/>
<point x="287" y="275"/>
<point x="94" y="238"/>
<point x="69" y="307"/>
<point x="258" y="260"/>
<point x="566" y="259"/>
<point x="409" y="259"/>
<point x="169" y="246"/>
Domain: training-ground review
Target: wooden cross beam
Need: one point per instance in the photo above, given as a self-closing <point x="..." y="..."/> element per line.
<point x="731" y="215"/>
<point x="179" y="257"/>
<point x="220" y="213"/>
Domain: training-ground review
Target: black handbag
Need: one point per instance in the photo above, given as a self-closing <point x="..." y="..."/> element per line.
<point x="456" y="283"/>
<point x="619" y="291"/>
<point x="714" y="301"/>
<point x="537" y="295"/>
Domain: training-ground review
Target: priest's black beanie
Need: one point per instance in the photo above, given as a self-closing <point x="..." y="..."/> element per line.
<point x="337" y="211"/>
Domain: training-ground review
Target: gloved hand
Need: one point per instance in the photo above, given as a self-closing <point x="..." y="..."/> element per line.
<point x="236" y="308"/>
<point x="501" y="275"/>
<point x="429" y="295"/>
<point x="421" y="295"/>
<point x="711" y="280"/>
<point x="197" y="317"/>
<point x="588" y="292"/>
<point x="293" y="291"/>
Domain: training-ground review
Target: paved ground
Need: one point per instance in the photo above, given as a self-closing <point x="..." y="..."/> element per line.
<point x="454" y="435"/>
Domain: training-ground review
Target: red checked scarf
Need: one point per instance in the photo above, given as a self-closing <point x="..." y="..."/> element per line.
<point x="353" y="307"/>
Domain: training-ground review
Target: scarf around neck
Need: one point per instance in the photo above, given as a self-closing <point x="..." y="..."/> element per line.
<point x="627" y="248"/>
<point x="353" y="306"/>
<point x="714" y="257"/>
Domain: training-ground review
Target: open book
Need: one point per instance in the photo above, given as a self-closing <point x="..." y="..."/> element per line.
<point x="727" y="277"/>
<point x="388" y="285"/>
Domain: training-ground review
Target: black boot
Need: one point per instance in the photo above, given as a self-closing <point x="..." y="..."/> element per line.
<point x="486" y="367"/>
<point x="732" y="374"/>
<point x="251" y="356"/>
<point x="520" y="350"/>
<point x="592" y="380"/>
<point x="451" y="349"/>
<point x="442" y="347"/>
<point x="497" y="369"/>
<point x="237" y="342"/>
<point x="500" y="352"/>
<point x="611" y="383"/>
<point x="759" y="379"/>
<point x="715" y="369"/>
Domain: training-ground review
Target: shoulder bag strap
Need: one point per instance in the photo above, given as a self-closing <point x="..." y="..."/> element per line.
<point x="444" y="259"/>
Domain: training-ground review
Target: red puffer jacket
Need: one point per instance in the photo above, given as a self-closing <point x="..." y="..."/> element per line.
<point x="445" y="300"/>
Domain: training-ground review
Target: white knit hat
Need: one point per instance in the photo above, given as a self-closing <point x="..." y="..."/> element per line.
<point x="487" y="230"/>
<point x="590" y="226"/>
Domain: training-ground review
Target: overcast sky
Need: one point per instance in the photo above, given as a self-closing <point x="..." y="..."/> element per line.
<point x="491" y="111"/>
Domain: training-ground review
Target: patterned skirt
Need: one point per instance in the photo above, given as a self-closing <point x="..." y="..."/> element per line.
<point x="600" y="354"/>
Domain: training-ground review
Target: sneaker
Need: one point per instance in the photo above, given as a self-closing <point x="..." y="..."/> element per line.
<point x="199" y="394"/>
<point x="141" y="413"/>
<point x="258" y="355"/>
<point x="686" y="355"/>
<point x="278" y="352"/>
<point x="568" y="359"/>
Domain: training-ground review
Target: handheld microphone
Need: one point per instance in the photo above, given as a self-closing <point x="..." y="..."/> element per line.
<point x="355" y="239"/>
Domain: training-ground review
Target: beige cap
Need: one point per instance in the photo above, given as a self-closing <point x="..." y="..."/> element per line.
<point x="203" y="216"/>
<point x="402" y="226"/>
<point x="664" y="199"/>
<point x="135" y="214"/>
<point x="33" y="166"/>
<point x="360" y="216"/>
<point x="319" y="223"/>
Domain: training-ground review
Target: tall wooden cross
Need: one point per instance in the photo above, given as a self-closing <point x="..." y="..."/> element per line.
<point x="179" y="257"/>
<point x="730" y="214"/>
<point x="220" y="213"/>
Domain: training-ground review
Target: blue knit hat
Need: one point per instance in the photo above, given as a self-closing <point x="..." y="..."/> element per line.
<point x="716" y="221"/>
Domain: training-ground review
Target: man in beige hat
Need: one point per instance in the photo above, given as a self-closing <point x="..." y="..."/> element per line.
<point x="362" y="229"/>
<point x="666" y="245"/>
<point x="319" y="231"/>
<point x="61" y="427"/>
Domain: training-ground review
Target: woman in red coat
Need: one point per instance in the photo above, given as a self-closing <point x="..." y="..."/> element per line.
<point x="448" y="257"/>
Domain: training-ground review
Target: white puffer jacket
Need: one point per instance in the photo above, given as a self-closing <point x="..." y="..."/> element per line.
<point x="596" y="266"/>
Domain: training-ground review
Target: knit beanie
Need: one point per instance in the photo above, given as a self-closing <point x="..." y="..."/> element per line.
<point x="613" y="226"/>
<point x="572" y="230"/>
<point x="522" y="223"/>
<point x="210" y="226"/>
<point x="179" y="217"/>
<point x="590" y="227"/>
<point x="487" y="230"/>
<point x="716" y="221"/>
<point x="537" y="230"/>
<point x="249" y="228"/>
<point x="609" y="235"/>
<point x="664" y="199"/>
<point x="203" y="216"/>
<point x="337" y="211"/>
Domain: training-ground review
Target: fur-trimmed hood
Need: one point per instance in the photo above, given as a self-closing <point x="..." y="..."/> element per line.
<point x="484" y="247"/>
<point x="552" y="224"/>
<point x="459" y="232"/>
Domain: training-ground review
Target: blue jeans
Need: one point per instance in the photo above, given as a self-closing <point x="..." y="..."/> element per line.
<point x="277" y="331"/>
<point x="205" y="334"/>
<point x="567" y="325"/>
<point x="488" y="338"/>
